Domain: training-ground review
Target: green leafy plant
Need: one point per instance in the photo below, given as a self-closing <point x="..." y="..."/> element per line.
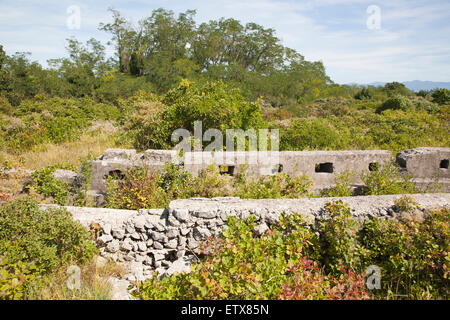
<point x="387" y="180"/>
<point x="45" y="183"/>
<point x="339" y="238"/>
<point x="35" y="241"/>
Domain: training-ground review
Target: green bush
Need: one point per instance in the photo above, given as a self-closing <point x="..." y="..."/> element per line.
<point x="215" y="104"/>
<point x="13" y="277"/>
<point x="275" y="186"/>
<point x="45" y="183"/>
<point x="142" y="188"/>
<point x="290" y="261"/>
<point x="441" y="96"/>
<point x="242" y="266"/>
<point x="53" y="120"/>
<point x="413" y="255"/>
<point x="339" y="243"/>
<point x="387" y="180"/>
<point x="363" y="94"/>
<point x="343" y="186"/>
<point x="37" y="241"/>
<point x="397" y="102"/>
<point x="310" y="134"/>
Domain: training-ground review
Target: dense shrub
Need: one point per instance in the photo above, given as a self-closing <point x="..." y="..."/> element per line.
<point x="215" y="104"/>
<point x="310" y="134"/>
<point x="343" y="186"/>
<point x="413" y="255"/>
<point x="115" y="86"/>
<point x="441" y="96"/>
<point x="387" y="180"/>
<point x="242" y="266"/>
<point x="339" y="245"/>
<point x="397" y="102"/>
<point x="308" y="282"/>
<point x="363" y="94"/>
<point x="290" y="261"/>
<point x="45" y="183"/>
<point x="142" y="188"/>
<point x="273" y="187"/>
<point x="34" y="241"/>
<point x="13" y="276"/>
<point x="53" y="120"/>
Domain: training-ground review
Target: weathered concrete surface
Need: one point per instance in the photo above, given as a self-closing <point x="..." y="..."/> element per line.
<point x="118" y="161"/>
<point x="269" y="210"/>
<point x="320" y="166"/>
<point x="425" y="164"/>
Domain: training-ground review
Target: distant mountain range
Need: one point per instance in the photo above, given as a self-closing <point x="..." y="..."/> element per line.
<point x="417" y="85"/>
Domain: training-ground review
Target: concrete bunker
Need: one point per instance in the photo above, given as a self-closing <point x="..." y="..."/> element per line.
<point x="321" y="166"/>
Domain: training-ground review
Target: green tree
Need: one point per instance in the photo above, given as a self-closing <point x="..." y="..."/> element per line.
<point x="83" y="70"/>
<point x="124" y="37"/>
<point x="441" y="96"/>
<point x="396" y="88"/>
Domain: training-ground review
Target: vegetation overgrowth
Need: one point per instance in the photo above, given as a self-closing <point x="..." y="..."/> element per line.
<point x="167" y="73"/>
<point x="226" y="74"/>
<point x="296" y="260"/>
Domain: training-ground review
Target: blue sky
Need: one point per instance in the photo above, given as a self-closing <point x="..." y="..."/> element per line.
<point x="412" y="43"/>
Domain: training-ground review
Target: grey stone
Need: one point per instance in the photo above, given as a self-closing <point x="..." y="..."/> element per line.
<point x="210" y="214"/>
<point x="157" y="236"/>
<point x="148" y="261"/>
<point x="261" y="228"/>
<point x="118" y="233"/>
<point x="172" y="244"/>
<point x="65" y="175"/>
<point x="172" y="233"/>
<point x="113" y="246"/>
<point x="140" y="258"/>
<point x="139" y="223"/>
<point x="126" y="245"/>
<point x="158" y="245"/>
<point x="142" y="246"/>
<point x="181" y="215"/>
<point x="100" y="261"/>
<point x="130" y="229"/>
<point x="173" y="221"/>
<point x="105" y="238"/>
<point x="157" y="256"/>
<point x="181" y="265"/>
<point x="135" y="236"/>
<point x="200" y="233"/>
<point x="106" y="228"/>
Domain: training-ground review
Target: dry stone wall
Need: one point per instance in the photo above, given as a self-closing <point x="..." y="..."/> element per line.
<point x="165" y="240"/>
